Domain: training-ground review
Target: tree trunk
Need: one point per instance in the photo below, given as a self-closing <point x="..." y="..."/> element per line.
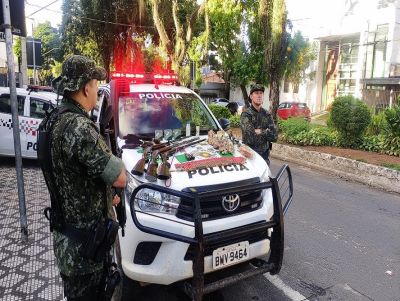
<point x="245" y="96"/>
<point x="274" y="97"/>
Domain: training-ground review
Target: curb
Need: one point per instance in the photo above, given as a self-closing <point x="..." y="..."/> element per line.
<point x="372" y="175"/>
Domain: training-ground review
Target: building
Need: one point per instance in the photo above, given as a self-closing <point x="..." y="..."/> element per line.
<point x="359" y="54"/>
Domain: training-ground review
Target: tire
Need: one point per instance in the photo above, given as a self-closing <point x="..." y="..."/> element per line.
<point x="127" y="287"/>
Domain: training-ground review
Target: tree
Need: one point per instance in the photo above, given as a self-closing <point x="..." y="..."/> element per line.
<point x="75" y="33"/>
<point x="273" y="21"/>
<point x="300" y="53"/>
<point x="176" y="33"/>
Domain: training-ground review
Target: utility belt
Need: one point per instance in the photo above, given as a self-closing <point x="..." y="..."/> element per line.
<point x="95" y="243"/>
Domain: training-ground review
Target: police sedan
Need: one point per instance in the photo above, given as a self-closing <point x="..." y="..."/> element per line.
<point x="32" y="106"/>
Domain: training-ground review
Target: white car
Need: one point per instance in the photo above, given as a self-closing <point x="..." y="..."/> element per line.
<point x="31" y="110"/>
<point x="189" y="210"/>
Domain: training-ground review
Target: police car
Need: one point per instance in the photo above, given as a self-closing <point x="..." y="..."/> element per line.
<point x="32" y="105"/>
<point x="197" y="202"/>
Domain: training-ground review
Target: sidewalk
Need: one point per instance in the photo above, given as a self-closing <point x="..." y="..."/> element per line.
<point x="27" y="270"/>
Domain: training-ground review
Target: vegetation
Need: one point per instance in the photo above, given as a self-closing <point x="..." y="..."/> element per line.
<point x="220" y="111"/>
<point x="381" y="135"/>
<point x="350" y="117"/>
<point x="234" y="121"/>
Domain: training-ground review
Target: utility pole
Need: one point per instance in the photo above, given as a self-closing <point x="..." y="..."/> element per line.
<point x="15" y="121"/>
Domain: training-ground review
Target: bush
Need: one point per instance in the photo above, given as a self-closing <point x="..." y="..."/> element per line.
<point x="235" y="121"/>
<point x="392" y="145"/>
<point x="393" y="120"/>
<point x="378" y="125"/>
<point x="317" y="136"/>
<point x="373" y="143"/>
<point x="350" y="117"/>
<point x="220" y="111"/>
<point x="293" y="126"/>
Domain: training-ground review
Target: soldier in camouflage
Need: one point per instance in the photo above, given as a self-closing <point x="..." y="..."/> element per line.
<point x="84" y="171"/>
<point x="258" y="128"/>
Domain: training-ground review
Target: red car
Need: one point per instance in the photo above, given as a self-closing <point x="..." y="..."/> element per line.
<point x="293" y="109"/>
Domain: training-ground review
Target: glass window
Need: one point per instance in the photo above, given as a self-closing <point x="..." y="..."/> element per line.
<point x="38" y="108"/>
<point x="5" y="104"/>
<point x="286" y="86"/>
<point x="144" y="113"/>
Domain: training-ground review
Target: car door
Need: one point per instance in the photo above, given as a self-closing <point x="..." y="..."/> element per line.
<point x="6" y="130"/>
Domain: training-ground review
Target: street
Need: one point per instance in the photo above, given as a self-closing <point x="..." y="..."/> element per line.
<point x="342" y="243"/>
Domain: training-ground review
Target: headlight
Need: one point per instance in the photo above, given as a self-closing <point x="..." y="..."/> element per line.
<point x="132" y="183"/>
<point x="265" y="178"/>
<point x="150" y="200"/>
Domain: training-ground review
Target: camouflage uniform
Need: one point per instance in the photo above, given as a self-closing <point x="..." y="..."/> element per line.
<point x="84" y="169"/>
<point x="252" y="119"/>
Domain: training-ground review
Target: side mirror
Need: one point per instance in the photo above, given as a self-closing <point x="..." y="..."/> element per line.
<point x="225" y="124"/>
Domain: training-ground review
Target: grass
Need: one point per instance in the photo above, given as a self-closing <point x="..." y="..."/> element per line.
<point x="392" y="166"/>
<point x="320" y="119"/>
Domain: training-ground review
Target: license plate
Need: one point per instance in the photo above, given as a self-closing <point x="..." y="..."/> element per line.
<point x="231" y="254"/>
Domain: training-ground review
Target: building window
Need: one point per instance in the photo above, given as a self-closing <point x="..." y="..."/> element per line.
<point x="347" y="70"/>
<point x="286" y="84"/>
<point x="296" y="88"/>
<point x="384" y="3"/>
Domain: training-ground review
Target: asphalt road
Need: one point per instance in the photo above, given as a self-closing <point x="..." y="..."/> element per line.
<point x="342" y="243"/>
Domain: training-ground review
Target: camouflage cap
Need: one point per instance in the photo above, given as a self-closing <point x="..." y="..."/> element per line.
<point x="256" y="87"/>
<point x="77" y="70"/>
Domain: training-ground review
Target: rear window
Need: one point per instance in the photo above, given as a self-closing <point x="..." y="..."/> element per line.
<point x="302" y="105"/>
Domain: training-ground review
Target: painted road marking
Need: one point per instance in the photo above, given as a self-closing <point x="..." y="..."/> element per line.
<point x="288" y="291"/>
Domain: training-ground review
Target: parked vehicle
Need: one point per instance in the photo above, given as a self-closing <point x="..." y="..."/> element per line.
<point x="31" y="110"/>
<point x="293" y="109"/>
<point x="188" y="210"/>
<point x="235" y="107"/>
<point x="220" y="101"/>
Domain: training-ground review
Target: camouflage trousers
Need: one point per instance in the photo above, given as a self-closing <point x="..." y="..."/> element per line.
<point x="84" y="287"/>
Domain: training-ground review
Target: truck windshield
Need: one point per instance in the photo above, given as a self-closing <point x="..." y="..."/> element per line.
<point x="145" y="113"/>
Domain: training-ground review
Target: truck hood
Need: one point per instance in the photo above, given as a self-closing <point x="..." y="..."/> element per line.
<point x="180" y="179"/>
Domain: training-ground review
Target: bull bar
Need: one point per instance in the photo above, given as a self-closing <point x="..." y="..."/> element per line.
<point x="196" y="286"/>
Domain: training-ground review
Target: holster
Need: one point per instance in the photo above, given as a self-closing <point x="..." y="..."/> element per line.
<point x="100" y="241"/>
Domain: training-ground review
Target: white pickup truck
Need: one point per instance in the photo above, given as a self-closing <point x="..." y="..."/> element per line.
<point x="192" y="208"/>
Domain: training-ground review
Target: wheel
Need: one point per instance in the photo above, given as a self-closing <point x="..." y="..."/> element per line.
<point x="127" y="289"/>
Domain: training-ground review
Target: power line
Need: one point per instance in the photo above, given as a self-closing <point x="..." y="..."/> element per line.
<point x="42" y="8"/>
<point x="35" y="5"/>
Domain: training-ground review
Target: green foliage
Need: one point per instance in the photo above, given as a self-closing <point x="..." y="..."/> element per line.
<point x="378" y="125"/>
<point x="51" y="50"/>
<point x="316" y="136"/>
<point x="293" y="126"/>
<point x="392" y="166"/>
<point x="234" y="121"/>
<point x="17" y="48"/>
<point x="392" y="145"/>
<point x="373" y="143"/>
<point x="350" y="117"/>
<point x="220" y="111"/>
<point x="393" y="120"/>
<point x="300" y="53"/>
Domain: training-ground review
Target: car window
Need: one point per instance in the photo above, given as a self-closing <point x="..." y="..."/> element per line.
<point x="38" y="108"/>
<point x="302" y="105"/>
<point x="5" y="104"/>
<point x="282" y="106"/>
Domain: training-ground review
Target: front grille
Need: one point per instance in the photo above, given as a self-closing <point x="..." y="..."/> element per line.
<point x="226" y="241"/>
<point x="211" y="207"/>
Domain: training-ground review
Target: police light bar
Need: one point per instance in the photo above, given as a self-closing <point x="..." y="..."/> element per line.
<point x="127" y="75"/>
<point x="36" y="88"/>
<point x="167" y="78"/>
